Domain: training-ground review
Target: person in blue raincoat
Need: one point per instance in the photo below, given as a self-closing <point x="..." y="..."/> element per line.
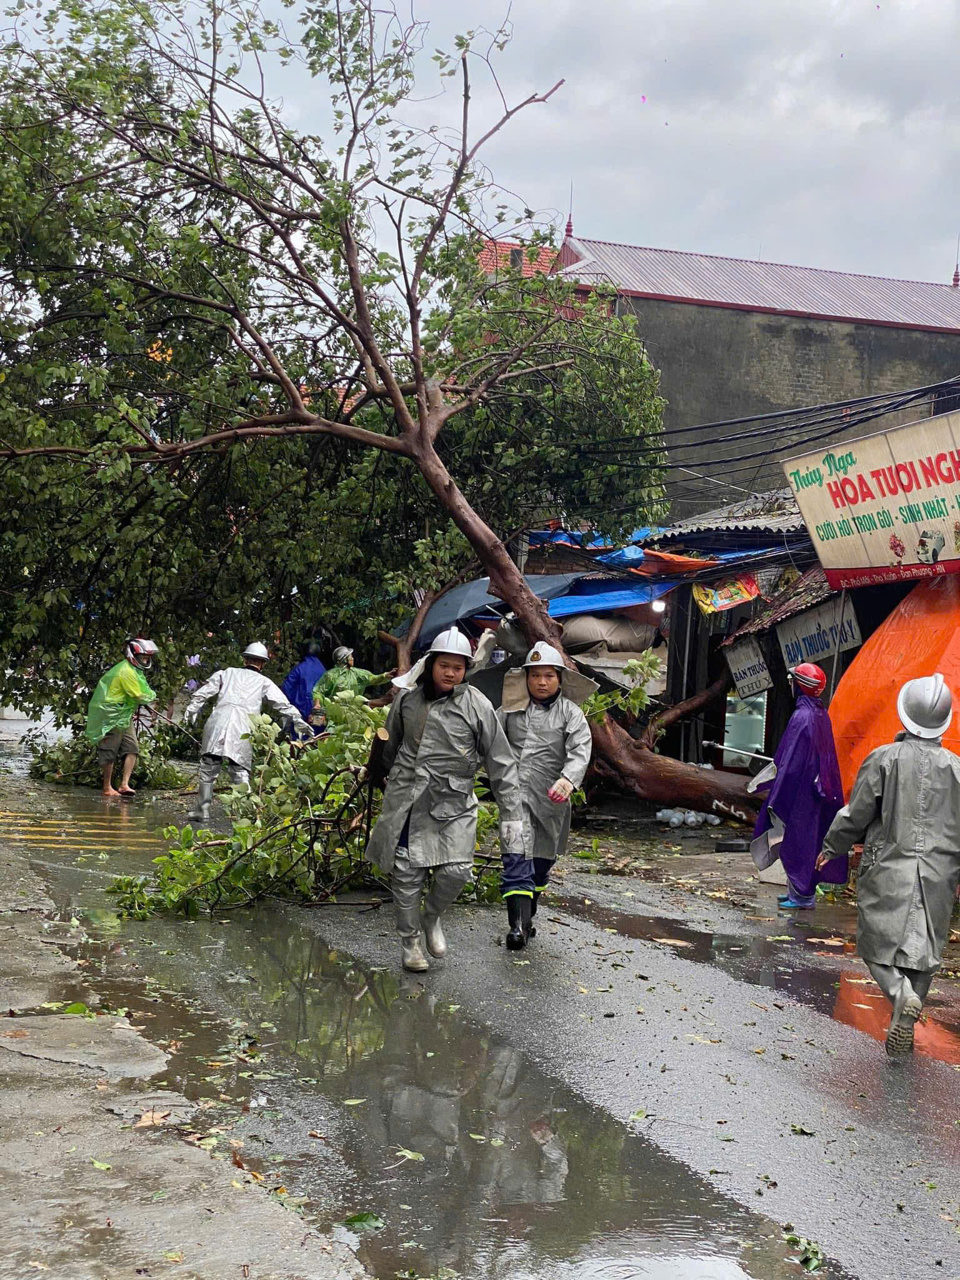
<point x="805" y="796"/>
<point x="298" y="686"/>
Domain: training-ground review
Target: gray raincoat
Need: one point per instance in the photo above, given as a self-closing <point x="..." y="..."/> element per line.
<point x="549" y="743"/>
<point x="241" y="693"/>
<point x="905" y="808"/>
<point x="432" y="757"/>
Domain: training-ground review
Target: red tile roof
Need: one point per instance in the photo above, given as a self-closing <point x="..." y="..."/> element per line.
<point x="771" y="287"/>
<point x="496" y="253"/>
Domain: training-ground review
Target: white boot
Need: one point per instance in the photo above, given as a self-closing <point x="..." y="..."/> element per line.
<point x="436" y="942"/>
<point x="413" y="958"/>
<point x="201" y="810"/>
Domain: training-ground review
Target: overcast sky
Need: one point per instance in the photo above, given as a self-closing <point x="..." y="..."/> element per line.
<point x="818" y="132"/>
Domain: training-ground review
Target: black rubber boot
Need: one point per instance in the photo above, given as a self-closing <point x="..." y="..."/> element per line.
<point x="532" y="931"/>
<point x="518" y="914"/>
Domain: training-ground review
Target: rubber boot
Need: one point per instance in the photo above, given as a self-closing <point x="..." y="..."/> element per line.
<point x="907" y="1007"/>
<point x="433" y="934"/>
<point x="532" y="931"/>
<point x="412" y="955"/>
<point x="519" y="908"/>
<point x="201" y="811"/>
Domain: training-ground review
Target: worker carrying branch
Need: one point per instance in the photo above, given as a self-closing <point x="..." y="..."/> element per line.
<point x="804" y="797"/>
<point x="240" y="692"/>
<point x="440" y="731"/>
<point x="118" y="695"/>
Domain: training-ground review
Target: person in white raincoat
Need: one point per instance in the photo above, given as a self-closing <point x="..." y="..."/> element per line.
<point x="441" y="731"/>
<point x="551" y="740"/>
<point x="241" y="692"/>
<point x="905" y="810"/>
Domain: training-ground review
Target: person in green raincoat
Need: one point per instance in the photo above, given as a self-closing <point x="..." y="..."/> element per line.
<point x="119" y="693"/>
<point x="342" y="676"/>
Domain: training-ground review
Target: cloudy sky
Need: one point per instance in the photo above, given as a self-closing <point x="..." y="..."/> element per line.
<point x="818" y="132"/>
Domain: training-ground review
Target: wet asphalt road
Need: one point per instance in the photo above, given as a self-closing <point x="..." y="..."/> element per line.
<point x="518" y="1077"/>
<point x="723" y="1074"/>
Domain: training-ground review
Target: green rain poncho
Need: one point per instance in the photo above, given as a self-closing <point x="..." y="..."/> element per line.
<point x="121" y="690"/>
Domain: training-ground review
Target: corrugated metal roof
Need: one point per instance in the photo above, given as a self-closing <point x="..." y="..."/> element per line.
<point x="810" y="589"/>
<point x="774" y="512"/>
<point x="764" y="286"/>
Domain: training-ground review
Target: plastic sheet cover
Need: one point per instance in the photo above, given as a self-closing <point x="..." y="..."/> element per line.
<point x="921" y="636"/>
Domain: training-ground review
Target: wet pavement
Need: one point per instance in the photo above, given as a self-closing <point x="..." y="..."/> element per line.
<point x="645" y="1092"/>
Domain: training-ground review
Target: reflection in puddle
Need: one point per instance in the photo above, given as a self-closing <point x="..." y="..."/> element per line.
<point x="848" y="996"/>
<point x="861" y="1004"/>
<point x="336" y="1077"/>
<point x="475" y="1160"/>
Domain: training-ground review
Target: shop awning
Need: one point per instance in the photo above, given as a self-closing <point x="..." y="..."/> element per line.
<point x="808" y="590"/>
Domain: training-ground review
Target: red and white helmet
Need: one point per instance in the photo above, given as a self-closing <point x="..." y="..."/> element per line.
<point x="141" y="653"/>
<point x="809" y="678"/>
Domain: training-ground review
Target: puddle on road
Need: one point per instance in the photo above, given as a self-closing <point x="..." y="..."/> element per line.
<point x="849" y="996"/>
<point x="518" y="1177"/>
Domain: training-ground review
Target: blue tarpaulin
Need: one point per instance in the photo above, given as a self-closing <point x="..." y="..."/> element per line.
<point x="608" y="598"/>
<point x="541" y="536"/>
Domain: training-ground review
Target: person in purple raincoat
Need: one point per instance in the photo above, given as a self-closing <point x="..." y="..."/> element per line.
<point x="805" y="796"/>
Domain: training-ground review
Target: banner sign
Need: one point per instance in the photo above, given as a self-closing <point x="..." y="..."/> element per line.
<point x="884" y="507"/>
<point x="819" y="633"/>
<point x="747" y="667"/>
<point x="727" y="594"/>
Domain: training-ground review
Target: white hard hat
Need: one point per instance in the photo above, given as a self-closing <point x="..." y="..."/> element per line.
<point x="544" y="655"/>
<point x="341" y="654"/>
<point x="453" y="641"/>
<point x="256" y="650"/>
<point x="925" y="706"/>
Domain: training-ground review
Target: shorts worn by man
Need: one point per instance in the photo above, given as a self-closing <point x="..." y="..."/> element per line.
<point x="905" y="810"/>
<point x="119" y="693"/>
<point x="441" y="731"/>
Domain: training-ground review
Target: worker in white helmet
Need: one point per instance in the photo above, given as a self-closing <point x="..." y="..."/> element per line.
<point x="905" y="810"/>
<point x="240" y="692"/>
<point x="551" y="739"/>
<point x="441" y="731"/>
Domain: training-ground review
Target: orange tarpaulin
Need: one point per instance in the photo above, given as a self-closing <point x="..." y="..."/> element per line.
<point x="921" y="636"/>
<point x="862" y="1005"/>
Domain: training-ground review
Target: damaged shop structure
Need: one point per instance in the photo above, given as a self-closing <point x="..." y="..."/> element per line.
<point x="729" y="599"/>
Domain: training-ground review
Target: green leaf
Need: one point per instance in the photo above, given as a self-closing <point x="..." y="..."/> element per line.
<point x="364" y="1222"/>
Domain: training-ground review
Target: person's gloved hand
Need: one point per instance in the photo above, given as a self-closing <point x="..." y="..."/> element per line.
<point x="561" y="791"/>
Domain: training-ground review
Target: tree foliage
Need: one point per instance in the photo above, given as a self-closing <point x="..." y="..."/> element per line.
<point x="252" y="374"/>
<point x="298" y="832"/>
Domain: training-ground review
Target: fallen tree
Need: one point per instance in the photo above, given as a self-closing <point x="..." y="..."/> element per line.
<point x="340" y="289"/>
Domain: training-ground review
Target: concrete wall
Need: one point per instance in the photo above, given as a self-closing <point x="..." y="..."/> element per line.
<point x="717" y="363"/>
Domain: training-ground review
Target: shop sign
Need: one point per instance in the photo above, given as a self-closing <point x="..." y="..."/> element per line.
<point x="748" y="668"/>
<point x="885" y="507"/>
<point x="819" y="633"/>
<point x="726" y="594"/>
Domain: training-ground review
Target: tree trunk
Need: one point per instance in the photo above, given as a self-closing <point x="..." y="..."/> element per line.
<point x="659" y="780"/>
<point x="617" y="757"/>
<point x="689" y="707"/>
